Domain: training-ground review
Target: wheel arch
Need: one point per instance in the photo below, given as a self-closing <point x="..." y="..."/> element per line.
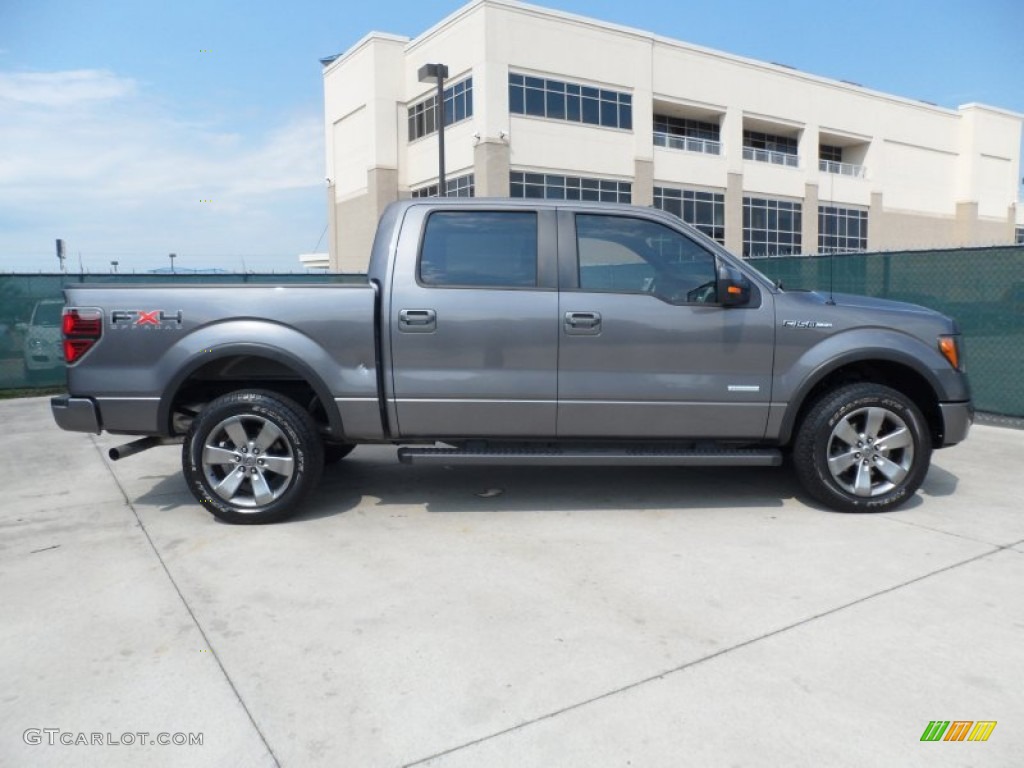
<point x="888" y="367"/>
<point x="261" y="366"/>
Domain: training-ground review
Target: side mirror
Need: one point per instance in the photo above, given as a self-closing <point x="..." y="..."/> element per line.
<point x="733" y="287"/>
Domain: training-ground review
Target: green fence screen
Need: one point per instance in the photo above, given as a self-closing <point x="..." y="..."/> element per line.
<point x="983" y="288"/>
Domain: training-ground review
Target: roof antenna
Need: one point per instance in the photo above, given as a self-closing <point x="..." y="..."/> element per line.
<point x="831" y="275"/>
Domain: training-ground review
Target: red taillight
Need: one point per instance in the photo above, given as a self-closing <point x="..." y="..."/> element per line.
<point x="82" y="328"/>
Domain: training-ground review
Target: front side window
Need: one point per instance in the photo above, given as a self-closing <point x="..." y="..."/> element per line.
<point x="622" y="254"/>
<point x="490" y="249"/>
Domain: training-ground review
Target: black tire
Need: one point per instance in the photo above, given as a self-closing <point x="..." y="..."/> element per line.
<point x="283" y="472"/>
<point x="836" y="455"/>
<point x="335" y="452"/>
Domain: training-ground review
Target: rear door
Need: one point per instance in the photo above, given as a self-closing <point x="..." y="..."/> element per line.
<point x="646" y="349"/>
<point x="473" y="322"/>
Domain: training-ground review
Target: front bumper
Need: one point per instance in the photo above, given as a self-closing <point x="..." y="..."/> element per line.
<point x="956" y="422"/>
<point x="75" y="414"/>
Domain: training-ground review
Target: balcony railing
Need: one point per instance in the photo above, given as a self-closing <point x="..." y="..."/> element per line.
<point x="842" y="169"/>
<point x="687" y="143"/>
<point x="768" y="156"/>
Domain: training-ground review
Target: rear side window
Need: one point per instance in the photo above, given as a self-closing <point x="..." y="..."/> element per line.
<point x="491" y="249"/>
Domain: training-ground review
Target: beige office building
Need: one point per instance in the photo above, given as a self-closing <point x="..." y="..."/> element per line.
<point x="766" y="159"/>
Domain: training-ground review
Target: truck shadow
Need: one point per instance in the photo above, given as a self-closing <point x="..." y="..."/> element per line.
<point x="372" y="477"/>
<point x="366" y="480"/>
<point x="939" y="482"/>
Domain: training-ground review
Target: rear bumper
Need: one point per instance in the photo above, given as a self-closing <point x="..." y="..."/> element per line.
<point x="956" y="422"/>
<point x="75" y="414"/>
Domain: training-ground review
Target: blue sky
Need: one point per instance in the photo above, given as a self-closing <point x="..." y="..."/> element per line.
<point x="118" y="118"/>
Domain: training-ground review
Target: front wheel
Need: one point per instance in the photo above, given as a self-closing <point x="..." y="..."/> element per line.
<point x="862" y="448"/>
<point x="252" y="457"/>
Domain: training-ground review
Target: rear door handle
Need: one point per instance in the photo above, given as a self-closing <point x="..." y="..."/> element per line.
<point x="583" y="323"/>
<point x="417" y="320"/>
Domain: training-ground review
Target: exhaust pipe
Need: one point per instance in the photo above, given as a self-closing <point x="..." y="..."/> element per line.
<point x="136" y="446"/>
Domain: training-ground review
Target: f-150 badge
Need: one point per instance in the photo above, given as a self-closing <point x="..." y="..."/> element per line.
<point x="154" y="319"/>
<point x="805" y="324"/>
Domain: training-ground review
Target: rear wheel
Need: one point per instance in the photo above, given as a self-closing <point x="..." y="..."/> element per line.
<point x="862" y="448"/>
<point x="252" y="457"/>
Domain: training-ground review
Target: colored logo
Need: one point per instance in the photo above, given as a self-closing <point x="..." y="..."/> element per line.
<point x="139" y="318"/>
<point x="958" y="730"/>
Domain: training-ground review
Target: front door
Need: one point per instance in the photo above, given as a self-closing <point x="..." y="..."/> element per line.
<point x="473" y="320"/>
<point x="646" y="349"/>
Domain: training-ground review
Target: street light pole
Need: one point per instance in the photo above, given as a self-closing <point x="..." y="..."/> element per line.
<point x="114" y="265"/>
<point x="438" y="72"/>
<point x="173" y="257"/>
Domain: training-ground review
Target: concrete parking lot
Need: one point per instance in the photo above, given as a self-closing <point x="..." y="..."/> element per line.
<point x="504" y="617"/>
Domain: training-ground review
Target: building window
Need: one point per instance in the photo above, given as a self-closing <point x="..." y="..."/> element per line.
<point x="769" y="148"/>
<point x="771" y="227"/>
<point x="458" y="105"/>
<point x="572" y="102"/>
<point x="830" y="153"/>
<point x="681" y="126"/>
<point x="461" y="186"/>
<point x="769" y="142"/>
<point x="1020" y="236"/>
<point x="555" y="187"/>
<point x="494" y="249"/>
<point x="687" y="134"/>
<point x="842" y="230"/>
<point x="830" y="160"/>
<point x="704" y="210"/>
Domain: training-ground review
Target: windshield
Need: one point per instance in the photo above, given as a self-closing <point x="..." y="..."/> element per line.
<point x="47" y="313"/>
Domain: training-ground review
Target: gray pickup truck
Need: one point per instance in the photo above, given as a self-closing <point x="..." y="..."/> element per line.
<point x="519" y="332"/>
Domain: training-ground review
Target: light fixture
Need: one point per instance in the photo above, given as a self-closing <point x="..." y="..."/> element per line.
<point x="431" y="73"/>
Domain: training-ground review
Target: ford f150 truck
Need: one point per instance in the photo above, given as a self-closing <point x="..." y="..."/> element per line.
<point x="518" y="332"/>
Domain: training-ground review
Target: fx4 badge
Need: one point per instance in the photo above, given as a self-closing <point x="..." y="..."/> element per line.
<point x="154" y="319"/>
<point x="804" y="324"/>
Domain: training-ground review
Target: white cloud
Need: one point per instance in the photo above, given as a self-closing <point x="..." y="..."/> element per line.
<point x="91" y="157"/>
<point x="61" y="89"/>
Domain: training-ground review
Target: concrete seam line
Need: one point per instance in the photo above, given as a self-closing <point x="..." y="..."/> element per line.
<point x="946" y="533"/>
<point x="184" y="602"/>
<point x="709" y="657"/>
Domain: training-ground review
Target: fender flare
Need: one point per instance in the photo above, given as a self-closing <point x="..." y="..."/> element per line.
<point x="832" y="364"/>
<point x="249" y="349"/>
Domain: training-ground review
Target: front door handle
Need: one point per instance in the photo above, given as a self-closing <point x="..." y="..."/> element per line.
<point x="583" y="323"/>
<point x="417" y="320"/>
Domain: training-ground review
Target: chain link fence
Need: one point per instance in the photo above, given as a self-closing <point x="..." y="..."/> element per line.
<point x="983" y="288"/>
